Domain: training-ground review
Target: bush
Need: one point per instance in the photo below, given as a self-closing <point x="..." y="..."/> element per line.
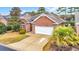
<point x="72" y="23"/>
<point x="13" y="26"/>
<point x="16" y="27"/>
<point x="22" y="31"/>
<point x="2" y="28"/>
<point x="65" y="36"/>
<point x="9" y="28"/>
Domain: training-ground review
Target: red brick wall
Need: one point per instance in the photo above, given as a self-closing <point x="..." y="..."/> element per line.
<point x="43" y="21"/>
<point x="28" y="27"/>
<point x="33" y="28"/>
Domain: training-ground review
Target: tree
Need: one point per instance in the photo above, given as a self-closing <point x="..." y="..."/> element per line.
<point x="15" y="13"/>
<point x="13" y="23"/>
<point x="2" y="28"/>
<point x="16" y="27"/>
<point x="71" y="10"/>
<point x="13" y="26"/>
<point x="33" y="12"/>
<point x="41" y="10"/>
<point x="62" y="9"/>
<point x="76" y="9"/>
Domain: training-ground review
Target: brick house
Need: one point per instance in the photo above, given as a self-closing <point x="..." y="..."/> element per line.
<point x="43" y="23"/>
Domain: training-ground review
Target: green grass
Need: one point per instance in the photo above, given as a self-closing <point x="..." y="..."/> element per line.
<point x="11" y="38"/>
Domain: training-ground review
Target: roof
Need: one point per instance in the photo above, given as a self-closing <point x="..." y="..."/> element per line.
<point x="3" y="20"/>
<point x="53" y="17"/>
<point x="33" y="18"/>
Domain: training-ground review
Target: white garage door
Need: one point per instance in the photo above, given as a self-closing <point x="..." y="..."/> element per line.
<point x="43" y="30"/>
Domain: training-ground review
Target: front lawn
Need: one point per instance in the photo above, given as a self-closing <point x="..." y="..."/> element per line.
<point x="12" y="37"/>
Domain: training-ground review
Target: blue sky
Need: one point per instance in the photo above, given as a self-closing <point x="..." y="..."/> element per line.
<point x="6" y="10"/>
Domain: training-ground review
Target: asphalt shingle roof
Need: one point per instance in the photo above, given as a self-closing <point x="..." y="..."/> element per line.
<point x="52" y="16"/>
<point x="33" y="18"/>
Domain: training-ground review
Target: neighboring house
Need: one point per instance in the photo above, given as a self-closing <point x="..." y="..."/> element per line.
<point x="26" y="16"/>
<point x="3" y="20"/>
<point x="43" y="23"/>
<point x="23" y="23"/>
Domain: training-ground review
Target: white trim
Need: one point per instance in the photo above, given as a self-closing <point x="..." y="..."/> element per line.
<point x="44" y="15"/>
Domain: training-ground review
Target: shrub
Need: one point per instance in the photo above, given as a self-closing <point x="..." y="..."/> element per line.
<point x="22" y="31"/>
<point x="13" y="26"/>
<point x="2" y="28"/>
<point x="9" y="28"/>
<point x="16" y="27"/>
<point x="65" y="36"/>
<point x="72" y="23"/>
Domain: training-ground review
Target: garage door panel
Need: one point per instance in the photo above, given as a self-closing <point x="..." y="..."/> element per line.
<point x="43" y="30"/>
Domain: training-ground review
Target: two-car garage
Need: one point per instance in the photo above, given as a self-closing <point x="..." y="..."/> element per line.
<point x="43" y="30"/>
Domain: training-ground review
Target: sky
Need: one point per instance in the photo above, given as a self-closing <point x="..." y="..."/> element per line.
<point x="6" y="10"/>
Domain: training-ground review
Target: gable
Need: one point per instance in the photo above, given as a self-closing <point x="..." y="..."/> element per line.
<point x="44" y="21"/>
<point x="51" y="17"/>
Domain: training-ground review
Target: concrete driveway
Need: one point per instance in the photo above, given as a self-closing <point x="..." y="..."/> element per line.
<point x="35" y="42"/>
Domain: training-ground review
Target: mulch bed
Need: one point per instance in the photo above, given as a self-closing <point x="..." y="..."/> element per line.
<point x="54" y="47"/>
